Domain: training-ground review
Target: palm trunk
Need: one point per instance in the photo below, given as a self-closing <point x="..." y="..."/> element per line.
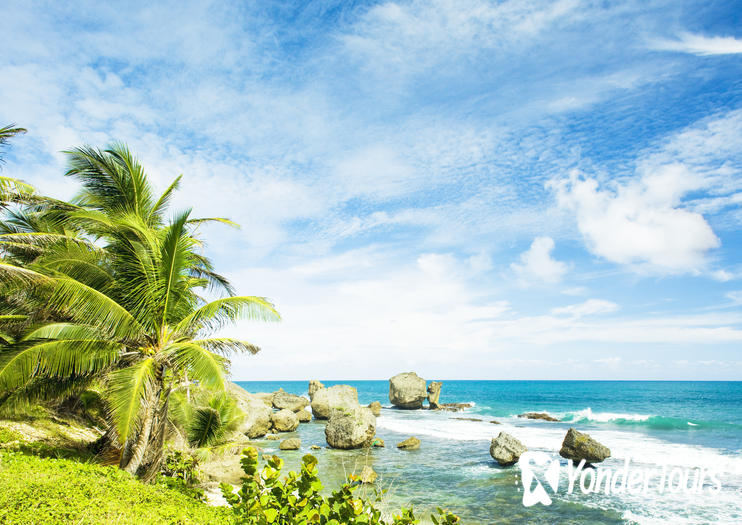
<point x="135" y="449"/>
<point x="153" y="462"/>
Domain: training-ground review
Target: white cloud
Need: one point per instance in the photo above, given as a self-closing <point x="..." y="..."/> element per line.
<point x="700" y="45"/>
<point x="537" y="264"/>
<point x="641" y="222"/>
<point x="589" y="307"/>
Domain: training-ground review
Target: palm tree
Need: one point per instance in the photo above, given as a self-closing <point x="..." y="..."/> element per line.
<point x="121" y="285"/>
<point x="11" y="187"/>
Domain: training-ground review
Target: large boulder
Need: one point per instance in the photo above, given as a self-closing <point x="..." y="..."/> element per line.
<point x="257" y="420"/>
<point x="407" y="390"/>
<point x="577" y="446"/>
<point x="304" y="416"/>
<point x="284" y="420"/>
<point x="293" y="402"/>
<point x="434" y="392"/>
<point x="314" y="385"/>
<point x="375" y="407"/>
<point x="326" y="400"/>
<point x="506" y="450"/>
<point x="350" y="428"/>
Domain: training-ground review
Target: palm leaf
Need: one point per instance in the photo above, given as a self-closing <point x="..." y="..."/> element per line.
<point x="202" y="365"/>
<point x="227" y="346"/>
<point x="217" y="313"/>
<point x="128" y="389"/>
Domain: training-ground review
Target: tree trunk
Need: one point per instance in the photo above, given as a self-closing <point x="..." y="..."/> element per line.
<point x="135" y="449"/>
<point x="153" y="462"/>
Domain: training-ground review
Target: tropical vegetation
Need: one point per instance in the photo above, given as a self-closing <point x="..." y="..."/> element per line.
<point x="107" y="289"/>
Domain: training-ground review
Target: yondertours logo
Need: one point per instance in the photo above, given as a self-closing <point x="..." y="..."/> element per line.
<point x="541" y="473"/>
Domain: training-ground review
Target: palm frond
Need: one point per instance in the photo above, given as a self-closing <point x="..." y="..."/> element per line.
<point x="227" y="346"/>
<point x="202" y="365"/>
<point x="220" y="312"/>
<point x="128" y="389"/>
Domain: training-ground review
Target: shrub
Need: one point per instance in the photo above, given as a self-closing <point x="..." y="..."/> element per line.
<point x="296" y="500"/>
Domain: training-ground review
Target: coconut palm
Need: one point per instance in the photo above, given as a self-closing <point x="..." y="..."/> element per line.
<point x="122" y="288"/>
<point x="9" y="188"/>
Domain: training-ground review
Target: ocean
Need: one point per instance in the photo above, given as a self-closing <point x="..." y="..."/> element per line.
<point x="692" y="429"/>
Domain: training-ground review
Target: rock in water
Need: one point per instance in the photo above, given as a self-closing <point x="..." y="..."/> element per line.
<point x="434" y="392"/>
<point x="314" y="385"/>
<point x="315" y="447"/>
<point x="272" y="437"/>
<point x="407" y="390"/>
<point x="290" y="444"/>
<point x="577" y="446"/>
<point x="350" y="428"/>
<point x="304" y="416"/>
<point x="368" y="475"/>
<point x="378" y="443"/>
<point x="411" y="443"/>
<point x="375" y="407"/>
<point x="294" y="403"/>
<point x="327" y="399"/>
<point x="506" y="450"/>
<point x="284" y="420"/>
<point x="257" y="420"/>
<point x="538" y="415"/>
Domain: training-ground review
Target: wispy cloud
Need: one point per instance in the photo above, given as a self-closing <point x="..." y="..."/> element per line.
<point x="700" y="44"/>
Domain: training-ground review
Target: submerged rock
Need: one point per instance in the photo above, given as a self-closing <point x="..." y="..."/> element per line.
<point x="454" y="407"/>
<point x="506" y="450"/>
<point x="290" y="444"/>
<point x="538" y="415"/>
<point x="407" y="390"/>
<point x="375" y="408"/>
<point x="304" y="416"/>
<point x="411" y="443"/>
<point x="434" y="392"/>
<point x="284" y="420"/>
<point x="350" y="428"/>
<point x="292" y="402"/>
<point x="495" y="422"/>
<point x="468" y="418"/>
<point x="577" y="446"/>
<point x="314" y="385"/>
<point x="336" y="397"/>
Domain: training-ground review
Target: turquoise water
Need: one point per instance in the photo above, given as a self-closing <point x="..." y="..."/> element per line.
<point x="683" y="425"/>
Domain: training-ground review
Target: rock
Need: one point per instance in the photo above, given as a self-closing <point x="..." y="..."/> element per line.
<point x="375" y="408"/>
<point x="434" y="392"/>
<point x="577" y="446"/>
<point x="336" y="397"/>
<point x="454" y="407"/>
<point x="272" y="437"/>
<point x="314" y="385"/>
<point x="290" y="444"/>
<point x="257" y="420"/>
<point x="506" y="450"/>
<point x="350" y="428"/>
<point x="407" y="390"/>
<point x="368" y="475"/>
<point x="495" y="422"/>
<point x="315" y="447"/>
<point x="411" y="443"/>
<point x="468" y="418"/>
<point x="304" y="416"/>
<point x="378" y="443"/>
<point x="266" y="397"/>
<point x="538" y="415"/>
<point x="292" y="402"/>
<point x="284" y="420"/>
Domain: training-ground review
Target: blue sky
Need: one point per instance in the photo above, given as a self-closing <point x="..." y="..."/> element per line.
<point x="469" y="189"/>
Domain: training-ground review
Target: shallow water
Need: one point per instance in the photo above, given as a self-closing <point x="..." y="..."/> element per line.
<point x="688" y="425"/>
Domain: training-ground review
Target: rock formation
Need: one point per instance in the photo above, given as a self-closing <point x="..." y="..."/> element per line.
<point x="290" y="444"/>
<point x="350" y="428"/>
<point x="538" y="415"/>
<point x="314" y="385"/>
<point x="411" y="443"/>
<point x="325" y="400"/>
<point x="434" y="392"/>
<point x="407" y="390"/>
<point x="577" y="446"/>
<point x="506" y="450"/>
<point x="284" y="420"/>
<point x="375" y="407"/>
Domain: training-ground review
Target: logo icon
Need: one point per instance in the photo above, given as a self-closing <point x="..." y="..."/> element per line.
<point x="548" y="467"/>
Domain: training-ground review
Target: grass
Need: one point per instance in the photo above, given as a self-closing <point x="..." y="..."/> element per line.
<point x="55" y="491"/>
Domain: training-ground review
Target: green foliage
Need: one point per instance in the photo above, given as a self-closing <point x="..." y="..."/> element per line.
<point x="57" y="491"/>
<point x="180" y="465"/>
<point x="8" y="435"/>
<point x="266" y="499"/>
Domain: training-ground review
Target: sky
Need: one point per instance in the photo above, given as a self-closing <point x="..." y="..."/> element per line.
<point x="468" y="189"/>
